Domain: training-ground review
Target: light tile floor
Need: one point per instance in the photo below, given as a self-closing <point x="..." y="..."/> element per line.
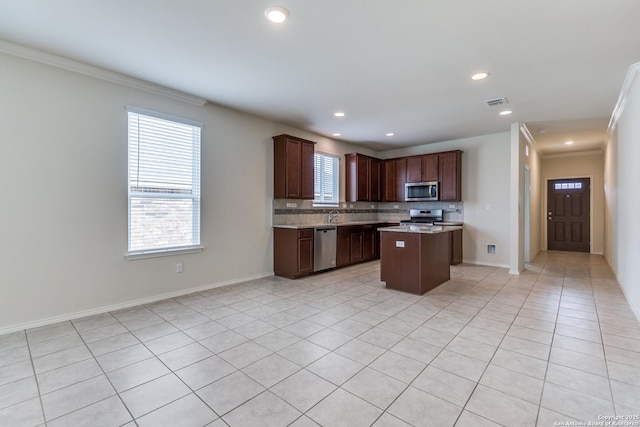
<point x="558" y="343"/>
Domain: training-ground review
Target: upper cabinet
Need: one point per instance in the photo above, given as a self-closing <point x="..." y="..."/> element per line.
<point x="422" y="168"/>
<point x="388" y="181"/>
<point x="450" y="166"/>
<point x="362" y="178"/>
<point x="370" y="179"/>
<point x="292" y="168"/>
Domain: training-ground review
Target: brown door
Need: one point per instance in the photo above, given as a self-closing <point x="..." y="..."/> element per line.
<point x="568" y="215"/>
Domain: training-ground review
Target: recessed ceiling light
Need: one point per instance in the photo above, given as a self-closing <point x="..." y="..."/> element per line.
<point x="337" y="134"/>
<point x="505" y="112"/>
<point x="390" y="134"/>
<point x="568" y="142"/>
<point x="480" y="76"/>
<point x="276" y="14"/>
<point x="339" y="114"/>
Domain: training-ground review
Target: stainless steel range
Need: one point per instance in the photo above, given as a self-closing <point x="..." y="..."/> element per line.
<point x="423" y="217"/>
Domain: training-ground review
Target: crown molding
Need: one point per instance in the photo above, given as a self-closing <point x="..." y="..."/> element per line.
<point x="629" y="81"/>
<point x="97" y="72"/>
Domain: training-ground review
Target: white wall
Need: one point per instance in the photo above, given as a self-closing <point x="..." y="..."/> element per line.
<point x="485" y="181"/>
<point x="586" y="165"/>
<point x="622" y="192"/>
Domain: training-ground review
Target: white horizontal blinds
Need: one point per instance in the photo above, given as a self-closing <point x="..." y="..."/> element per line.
<point x="164" y="183"/>
<point x="325" y="179"/>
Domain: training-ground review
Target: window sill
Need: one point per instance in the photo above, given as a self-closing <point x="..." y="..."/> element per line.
<point x="131" y="256"/>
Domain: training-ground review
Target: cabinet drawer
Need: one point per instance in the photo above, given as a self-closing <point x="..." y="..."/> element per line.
<point x="305" y="233"/>
<point x="349" y="229"/>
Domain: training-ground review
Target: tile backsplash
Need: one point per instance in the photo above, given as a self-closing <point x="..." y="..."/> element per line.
<point x="302" y="212"/>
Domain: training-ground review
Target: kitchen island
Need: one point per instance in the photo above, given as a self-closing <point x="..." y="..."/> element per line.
<point x="415" y="258"/>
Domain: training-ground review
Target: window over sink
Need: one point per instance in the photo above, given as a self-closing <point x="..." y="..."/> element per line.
<point x="326" y="179"/>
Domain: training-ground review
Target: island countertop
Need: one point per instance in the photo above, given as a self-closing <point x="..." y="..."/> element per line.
<point x="423" y="229"/>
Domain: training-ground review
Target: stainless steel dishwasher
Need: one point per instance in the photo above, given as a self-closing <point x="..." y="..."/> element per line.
<point x="324" y="247"/>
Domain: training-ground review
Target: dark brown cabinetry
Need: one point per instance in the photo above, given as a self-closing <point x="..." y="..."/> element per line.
<point x="422" y="168"/>
<point x="388" y="181"/>
<point x="455" y="238"/>
<point x="293" y="168"/>
<point x="365" y="173"/>
<point x="292" y="252"/>
<point x="369" y="242"/>
<point x="393" y="177"/>
<point x="430" y="167"/>
<point x="358" y="243"/>
<point x="449" y="171"/>
<point x="362" y="178"/>
<point x="401" y="178"/>
<point x="414" y="262"/>
<point x="349" y="246"/>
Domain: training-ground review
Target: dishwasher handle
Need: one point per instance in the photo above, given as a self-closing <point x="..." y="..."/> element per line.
<point x="325" y="229"/>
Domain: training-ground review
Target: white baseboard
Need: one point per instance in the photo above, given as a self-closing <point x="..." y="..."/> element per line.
<point x="634" y="308"/>
<point x="123" y="305"/>
<point x="484" y="264"/>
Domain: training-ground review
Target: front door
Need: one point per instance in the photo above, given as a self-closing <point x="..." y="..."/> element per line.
<point x="568" y="215"/>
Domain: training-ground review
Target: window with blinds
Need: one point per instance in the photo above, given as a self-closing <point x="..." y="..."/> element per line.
<point x="326" y="183"/>
<point x="164" y="183"/>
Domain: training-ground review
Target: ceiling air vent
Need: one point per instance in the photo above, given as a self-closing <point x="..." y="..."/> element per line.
<point x="495" y="102"/>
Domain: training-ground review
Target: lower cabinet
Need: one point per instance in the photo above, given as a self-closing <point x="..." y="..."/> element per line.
<point x="456" y="247"/>
<point x="292" y="252"/>
<point x="358" y="243"/>
<point x="369" y="242"/>
<point x="293" y="248"/>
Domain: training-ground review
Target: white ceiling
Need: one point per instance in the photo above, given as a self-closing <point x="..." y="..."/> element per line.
<point x="399" y="66"/>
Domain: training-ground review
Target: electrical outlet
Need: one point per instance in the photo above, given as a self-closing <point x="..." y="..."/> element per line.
<point x="179" y="267"/>
<point x="396" y="206"/>
<point x="292" y="205"/>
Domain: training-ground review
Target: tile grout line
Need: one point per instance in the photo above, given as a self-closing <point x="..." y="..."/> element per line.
<point x="35" y="377"/>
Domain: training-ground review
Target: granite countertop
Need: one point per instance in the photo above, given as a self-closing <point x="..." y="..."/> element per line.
<point x="423" y="229"/>
<point x="324" y="224"/>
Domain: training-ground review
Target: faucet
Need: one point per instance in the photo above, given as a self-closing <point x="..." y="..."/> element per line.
<point x="332" y="215"/>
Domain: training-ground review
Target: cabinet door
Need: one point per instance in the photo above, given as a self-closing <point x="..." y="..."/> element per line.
<point x="388" y="178"/>
<point x="449" y="164"/>
<point x="414" y="169"/>
<point x="374" y="180"/>
<point x="430" y="167"/>
<point x="292" y="169"/>
<point x="368" y="243"/>
<point x="355" y="247"/>
<point x="306" y="171"/>
<point x="401" y="178"/>
<point x="343" y="249"/>
<point x="363" y="164"/>
<point x="305" y="255"/>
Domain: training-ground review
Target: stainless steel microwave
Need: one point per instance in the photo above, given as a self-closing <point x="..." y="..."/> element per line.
<point x="421" y="191"/>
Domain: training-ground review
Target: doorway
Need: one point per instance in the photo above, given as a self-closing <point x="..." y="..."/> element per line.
<point x="568" y="215"/>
